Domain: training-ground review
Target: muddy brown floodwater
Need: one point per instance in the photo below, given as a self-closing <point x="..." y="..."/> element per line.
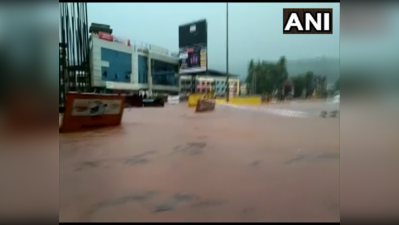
<point x="170" y="164"/>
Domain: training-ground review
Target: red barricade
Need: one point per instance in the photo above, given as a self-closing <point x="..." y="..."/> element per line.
<point x="205" y="105"/>
<point x="85" y="111"/>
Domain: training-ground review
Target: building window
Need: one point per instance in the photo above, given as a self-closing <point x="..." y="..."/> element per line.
<point x="164" y="73"/>
<point x="120" y="65"/>
<point x="143" y="69"/>
<point x="185" y="82"/>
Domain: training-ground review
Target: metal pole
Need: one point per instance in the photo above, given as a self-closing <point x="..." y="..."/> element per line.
<point x="253" y="83"/>
<point x="255" y="76"/>
<point x="227" y="53"/>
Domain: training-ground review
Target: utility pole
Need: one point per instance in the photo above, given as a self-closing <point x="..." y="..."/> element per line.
<point x="255" y="76"/>
<point x="253" y="83"/>
<point x="227" y="54"/>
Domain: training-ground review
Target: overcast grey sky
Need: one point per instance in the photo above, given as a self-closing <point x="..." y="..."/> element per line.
<point x="255" y="29"/>
<point x="379" y="46"/>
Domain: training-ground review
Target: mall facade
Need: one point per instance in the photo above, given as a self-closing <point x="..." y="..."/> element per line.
<point x="118" y="65"/>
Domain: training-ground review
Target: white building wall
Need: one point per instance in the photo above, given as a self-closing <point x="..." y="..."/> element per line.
<point x="97" y="63"/>
<point x="135" y="51"/>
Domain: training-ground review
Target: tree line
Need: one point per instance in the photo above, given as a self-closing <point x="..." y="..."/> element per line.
<point x="271" y="78"/>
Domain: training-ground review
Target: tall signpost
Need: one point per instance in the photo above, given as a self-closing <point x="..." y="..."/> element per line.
<point x="227" y="54"/>
<point x="193" y="52"/>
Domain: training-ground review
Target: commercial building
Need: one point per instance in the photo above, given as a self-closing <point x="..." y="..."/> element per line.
<point x="119" y="65"/>
<point x="210" y="80"/>
<point x="243" y="89"/>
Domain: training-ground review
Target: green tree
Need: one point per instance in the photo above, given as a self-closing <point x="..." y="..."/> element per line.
<point x="282" y="70"/>
<point x="337" y="85"/>
<point x="304" y="83"/>
<point x="309" y="83"/>
<point x="265" y="77"/>
<point x="250" y="75"/>
<point x="299" y="82"/>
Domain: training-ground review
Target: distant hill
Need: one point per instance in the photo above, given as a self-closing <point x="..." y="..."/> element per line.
<point x="319" y="66"/>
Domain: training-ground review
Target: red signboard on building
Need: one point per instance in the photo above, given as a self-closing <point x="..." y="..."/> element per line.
<point x="105" y="36"/>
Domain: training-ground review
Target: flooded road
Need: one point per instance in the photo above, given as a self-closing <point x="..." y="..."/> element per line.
<point x="311" y="108"/>
<point x="169" y="164"/>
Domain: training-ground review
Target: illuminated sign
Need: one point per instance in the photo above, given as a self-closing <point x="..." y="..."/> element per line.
<point x="193" y="54"/>
<point x="193" y="59"/>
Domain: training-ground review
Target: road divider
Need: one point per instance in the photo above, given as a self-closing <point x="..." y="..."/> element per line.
<point x="205" y="105"/>
<point x="247" y="100"/>
<point x="193" y="99"/>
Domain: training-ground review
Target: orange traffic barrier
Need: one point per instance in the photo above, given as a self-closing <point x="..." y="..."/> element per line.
<point x="205" y="105"/>
<point x="85" y="111"/>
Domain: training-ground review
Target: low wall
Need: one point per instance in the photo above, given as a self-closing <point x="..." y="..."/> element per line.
<point x="193" y="99"/>
<point x="247" y="100"/>
<point x="220" y="100"/>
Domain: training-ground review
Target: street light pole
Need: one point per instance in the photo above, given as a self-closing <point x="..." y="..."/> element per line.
<point x="227" y="54"/>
